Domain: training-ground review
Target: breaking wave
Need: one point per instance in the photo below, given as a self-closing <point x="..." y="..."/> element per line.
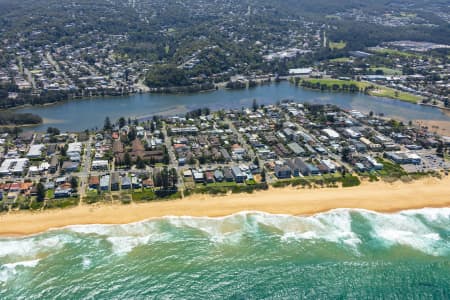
<point x="426" y="230"/>
<point x="248" y="253"/>
<point x="10" y="269"/>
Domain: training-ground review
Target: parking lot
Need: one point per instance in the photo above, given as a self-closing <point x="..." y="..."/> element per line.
<point x="430" y="162"/>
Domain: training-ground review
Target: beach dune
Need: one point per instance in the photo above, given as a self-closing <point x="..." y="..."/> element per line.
<point x="379" y="196"/>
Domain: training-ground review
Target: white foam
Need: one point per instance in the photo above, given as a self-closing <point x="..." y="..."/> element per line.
<point x="335" y="226"/>
<point x="86" y="263"/>
<point x="219" y="230"/>
<point x="124" y="244"/>
<point x="9" y="270"/>
<point x="31" y="246"/>
<point x="405" y="228"/>
<point x="92" y="229"/>
<point x="432" y="215"/>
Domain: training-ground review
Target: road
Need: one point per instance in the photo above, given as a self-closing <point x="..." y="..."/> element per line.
<point x="173" y="162"/>
<point x="85" y="169"/>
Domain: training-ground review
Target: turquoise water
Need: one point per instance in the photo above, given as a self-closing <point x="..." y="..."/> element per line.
<point x="341" y="254"/>
<point x="83" y="114"/>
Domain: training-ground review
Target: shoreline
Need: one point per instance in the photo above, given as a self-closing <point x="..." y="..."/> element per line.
<point x="380" y="197"/>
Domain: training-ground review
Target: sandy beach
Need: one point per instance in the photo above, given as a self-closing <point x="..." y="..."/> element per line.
<point x="379" y="196"/>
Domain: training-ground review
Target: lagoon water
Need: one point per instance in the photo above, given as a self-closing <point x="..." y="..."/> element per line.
<point x="90" y="113"/>
<point x="341" y="254"/>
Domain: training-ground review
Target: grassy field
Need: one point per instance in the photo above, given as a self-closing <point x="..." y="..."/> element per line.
<point x="340" y="83"/>
<point x="393" y="94"/>
<point x="337" y="45"/>
<point x="378" y="91"/>
<point x="341" y="60"/>
<point x="394" y="52"/>
<point x="387" y="71"/>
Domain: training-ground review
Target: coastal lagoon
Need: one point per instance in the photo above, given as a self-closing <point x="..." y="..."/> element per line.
<point x="78" y="115"/>
<point x="340" y="254"/>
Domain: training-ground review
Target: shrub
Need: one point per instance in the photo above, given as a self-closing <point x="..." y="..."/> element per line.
<point x="349" y="181"/>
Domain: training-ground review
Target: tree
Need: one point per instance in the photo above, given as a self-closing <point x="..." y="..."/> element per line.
<point x="263" y="175"/>
<point x="174" y="177"/>
<point x="107" y="126"/>
<point x="205" y="111"/>
<point x="165" y="177"/>
<point x="255" y="105"/>
<point x="140" y="164"/>
<point x="40" y="192"/>
<point x="17" y="131"/>
<point x="127" y="159"/>
<point x="74" y="183"/>
<point x="132" y="134"/>
<point x="63" y="150"/>
<point x="440" y="150"/>
<point x="53" y="131"/>
<point x="122" y="122"/>
<point x="166" y="76"/>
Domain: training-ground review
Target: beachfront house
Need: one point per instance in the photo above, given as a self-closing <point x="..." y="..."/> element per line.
<point x="238" y="175"/>
<point x="115" y="181"/>
<point x="228" y="175"/>
<point x="62" y="192"/>
<point x="126" y="183"/>
<point x="306" y="169"/>
<point x="94" y="182"/>
<point x="198" y="176"/>
<point x="104" y="183"/>
<point x="283" y="171"/>
<point x="218" y="175"/>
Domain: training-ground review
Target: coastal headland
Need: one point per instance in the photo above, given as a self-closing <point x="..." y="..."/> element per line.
<point x="378" y="196"/>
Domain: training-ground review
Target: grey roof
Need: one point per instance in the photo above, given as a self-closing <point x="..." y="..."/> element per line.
<point x="296" y="148"/>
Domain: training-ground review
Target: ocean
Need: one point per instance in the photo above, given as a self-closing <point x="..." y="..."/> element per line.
<point x="340" y="254"/>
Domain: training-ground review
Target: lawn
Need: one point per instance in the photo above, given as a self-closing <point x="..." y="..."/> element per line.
<point x="394" y="52"/>
<point x="387" y="71"/>
<point x="50" y="194"/>
<point x="379" y="91"/>
<point x="382" y="91"/>
<point x="330" y="82"/>
<point x="341" y="59"/>
<point x="337" y="45"/>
